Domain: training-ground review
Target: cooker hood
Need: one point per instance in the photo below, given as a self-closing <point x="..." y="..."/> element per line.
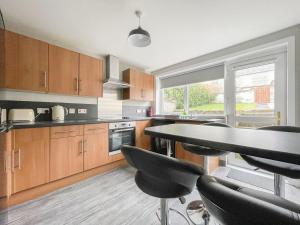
<point x="112" y="80"/>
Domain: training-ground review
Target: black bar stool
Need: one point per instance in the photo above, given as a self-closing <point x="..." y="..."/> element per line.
<point x="197" y="206"/>
<point x="231" y="204"/>
<point x="279" y="169"/>
<point x="162" y="177"/>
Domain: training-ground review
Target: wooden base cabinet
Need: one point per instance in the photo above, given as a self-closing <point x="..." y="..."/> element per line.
<point x="30" y="158"/>
<point x="142" y="140"/>
<point x="66" y="157"/>
<point x="95" y="145"/>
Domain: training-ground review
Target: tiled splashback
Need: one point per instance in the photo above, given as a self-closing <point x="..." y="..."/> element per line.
<point x="92" y="110"/>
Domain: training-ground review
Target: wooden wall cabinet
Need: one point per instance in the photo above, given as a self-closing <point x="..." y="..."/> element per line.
<point x="30" y="158"/>
<point x="33" y="65"/>
<point x="95" y="145"/>
<point x="90" y="76"/>
<point x="142" y="85"/>
<point x="142" y="140"/>
<point x="26" y="63"/>
<point x="63" y="71"/>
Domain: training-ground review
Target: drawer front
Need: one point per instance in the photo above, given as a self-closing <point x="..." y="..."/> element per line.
<point x="95" y="128"/>
<point x="66" y="131"/>
<point x="75" y="130"/>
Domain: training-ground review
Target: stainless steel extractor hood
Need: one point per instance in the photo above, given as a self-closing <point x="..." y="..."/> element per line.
<point x="112" y="79"/>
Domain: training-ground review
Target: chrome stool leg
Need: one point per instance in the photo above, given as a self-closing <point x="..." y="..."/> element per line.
<point x="196" y="210"/>
<point x="279" y="185"/>
<point x="164" y="209"/>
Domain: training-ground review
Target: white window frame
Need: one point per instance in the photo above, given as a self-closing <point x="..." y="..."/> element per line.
<point x="185" y="99"/>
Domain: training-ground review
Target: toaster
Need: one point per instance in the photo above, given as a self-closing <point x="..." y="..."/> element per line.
<point x="21" y="115"/>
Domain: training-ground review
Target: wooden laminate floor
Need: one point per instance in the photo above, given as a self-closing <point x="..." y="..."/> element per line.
<point x="109" y="199"/>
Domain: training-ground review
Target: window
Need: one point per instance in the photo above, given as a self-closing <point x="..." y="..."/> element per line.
<point x="203" y="98"/>
<point x="206" y="98"/>
<point x="173" y="100"/>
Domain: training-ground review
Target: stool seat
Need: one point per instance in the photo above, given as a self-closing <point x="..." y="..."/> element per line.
<point x="162" y="177"/>
<point x="231" y="204"/>
<point x="282" y="168"/>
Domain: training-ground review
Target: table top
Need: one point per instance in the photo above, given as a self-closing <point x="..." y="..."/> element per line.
<point x="276" y="145"/>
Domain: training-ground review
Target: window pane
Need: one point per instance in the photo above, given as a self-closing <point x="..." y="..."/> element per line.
<point x="173" y="101"/>
<point x="255" y="96"/>
<point x="207" y="98"/>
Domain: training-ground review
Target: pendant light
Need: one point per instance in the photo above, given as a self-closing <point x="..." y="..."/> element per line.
<point x="139" y="37"/>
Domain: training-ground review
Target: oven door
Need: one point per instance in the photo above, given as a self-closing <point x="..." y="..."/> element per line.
<point x="119" y="137"/>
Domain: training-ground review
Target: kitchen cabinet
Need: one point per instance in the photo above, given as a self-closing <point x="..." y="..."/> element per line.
<point x="5" y="166"/>
<point x="26" y="63"/>
<point x="142" y="140"/>
<point x="63" y="71"/>
<point x="30" y="158"/>
<point x="66" y="151"/>
<point x="95" y="145"/>
<point x="9" y="79"/>
<point x="32" y="64"/>
<point x="142" y="85"/>
<point x="90" y="76"/>
<point x="66" y="157"/>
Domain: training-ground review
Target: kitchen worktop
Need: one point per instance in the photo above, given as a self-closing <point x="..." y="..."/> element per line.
<point x="36" y="124"/>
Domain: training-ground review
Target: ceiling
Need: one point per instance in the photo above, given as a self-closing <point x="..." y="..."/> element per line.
<point x="180" y="29"/>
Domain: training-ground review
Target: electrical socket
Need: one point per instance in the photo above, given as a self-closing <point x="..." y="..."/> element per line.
<point x="82" y="111"/>
<point x="42" y="110"/>
<point x="72" y="111"/>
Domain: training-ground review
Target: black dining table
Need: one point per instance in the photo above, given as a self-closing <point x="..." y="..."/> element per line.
<point x="276" y="145"/>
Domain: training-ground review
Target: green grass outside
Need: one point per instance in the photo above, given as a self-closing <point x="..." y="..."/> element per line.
<point x="220" y="107"/>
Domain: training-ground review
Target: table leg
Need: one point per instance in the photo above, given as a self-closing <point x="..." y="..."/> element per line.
<point x="169" y="148"/>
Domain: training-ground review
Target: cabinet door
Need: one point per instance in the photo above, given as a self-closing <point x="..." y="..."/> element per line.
<point x="75" y="155"/>
<point x="30" y="158"/>
<point x="133" y="77"/>
<point x="63" y="71"/>
<point x="96" y="147"/>
<point x="90" y="76"/>
<point x="32" y="64"/>
<point x="59" y="157"/>
<point x="142" y="140"/>
<point x="148" y="87"/>
<point x="10" y="76"/>
<point x="5" y="166"/>
<point x="66" y="157"/>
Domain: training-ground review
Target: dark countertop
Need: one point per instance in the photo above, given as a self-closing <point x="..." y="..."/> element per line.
<point x="20" y="125"/>
<point x="276" y="145"/>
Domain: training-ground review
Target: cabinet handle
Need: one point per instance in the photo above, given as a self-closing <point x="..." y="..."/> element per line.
<point x="61" y="132"/>
<point x="45" y="80"/>
<point x="81" y="147"/>
<point x="19" y="158"/>
<point x="79" y="86"/>
<point x="84" y="146"/>
<point x="13" y="160"/>
<point x="76" y="84"/>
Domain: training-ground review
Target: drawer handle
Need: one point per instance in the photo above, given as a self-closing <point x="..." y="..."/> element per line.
<point x="94" y="129"/>
<point x="61" y="132"/>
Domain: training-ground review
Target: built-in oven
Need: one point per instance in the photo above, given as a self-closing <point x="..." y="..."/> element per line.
<point x="121" y="133"/>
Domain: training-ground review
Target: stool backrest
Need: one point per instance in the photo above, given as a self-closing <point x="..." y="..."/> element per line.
<point x="162" y="167"/>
